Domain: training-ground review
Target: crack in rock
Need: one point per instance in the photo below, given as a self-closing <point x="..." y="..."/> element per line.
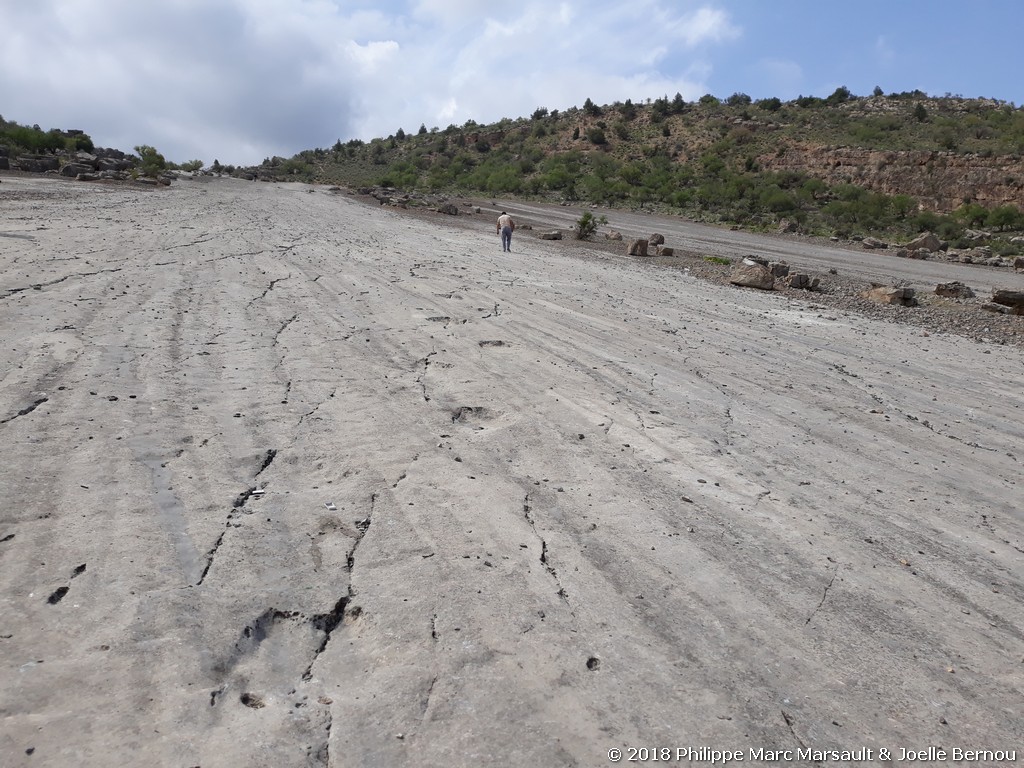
<point x="552" y="572"/>
<point x="268" y="289"/>
<point x="40" y="286"/>
<point x="26" y="410"/>
<point x="823" y="596"/>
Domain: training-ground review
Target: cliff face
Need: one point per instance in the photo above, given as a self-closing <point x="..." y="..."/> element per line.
<point x="941" y="181"/>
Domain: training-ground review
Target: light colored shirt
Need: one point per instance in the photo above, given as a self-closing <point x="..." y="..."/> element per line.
<point x="506" y="221"/>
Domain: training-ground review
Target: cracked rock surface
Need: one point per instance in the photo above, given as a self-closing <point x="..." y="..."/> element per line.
<point x="293" y="481"/>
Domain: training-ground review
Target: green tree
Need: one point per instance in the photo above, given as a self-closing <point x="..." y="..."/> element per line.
<point x="738" y="100"/>
<point x="920" y="113"/>
<point x="596" y="136"/>
<point x="591" y="108"/>
<point x="772" y="104"/>
<point x="151" y="162"/>
<point x="839" y="95"/>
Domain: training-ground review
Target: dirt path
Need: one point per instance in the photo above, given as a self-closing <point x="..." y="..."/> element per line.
<point x="293" y="481"/>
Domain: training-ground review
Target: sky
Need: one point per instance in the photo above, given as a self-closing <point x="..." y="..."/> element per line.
<point x="242" y="80"/>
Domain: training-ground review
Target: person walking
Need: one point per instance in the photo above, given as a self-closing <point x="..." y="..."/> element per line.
<point x="505" y="228"/>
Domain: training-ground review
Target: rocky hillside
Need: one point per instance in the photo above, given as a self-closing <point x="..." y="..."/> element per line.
<point x="844" y="163"/>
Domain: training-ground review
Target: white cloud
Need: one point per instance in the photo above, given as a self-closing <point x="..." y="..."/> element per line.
<point x="243" y="79"/>
<point x="701" y="26"/>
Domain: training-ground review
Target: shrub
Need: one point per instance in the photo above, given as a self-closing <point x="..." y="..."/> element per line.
<point x="587" y="224"/>
<point x="151" y="162"/>
<point x="772" y="104"/>
<point x="738" y="100"/>
<point x="1004" y="217"/>
<point x="596" y="136"/>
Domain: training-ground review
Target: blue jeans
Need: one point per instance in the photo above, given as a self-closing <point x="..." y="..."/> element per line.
<point x="506" y="238"/>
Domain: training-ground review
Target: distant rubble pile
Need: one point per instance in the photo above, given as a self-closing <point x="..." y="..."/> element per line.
<point x="99" y="165"/>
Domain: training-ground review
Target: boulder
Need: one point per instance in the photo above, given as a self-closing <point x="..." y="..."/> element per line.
<point x="997" y="308"/>
<point x="38" y="163"/>
<point x="954" y="290"/>
<point x="752" y="275"/>
<point x="778" y="268"/>
<point x="656" y="239"/>
<point x="920" y="254"/>
<point x="73" y="169"/>
<point x="665" y="251"/>
<point x="613" y="235"/>
<point x="802" y="281"/>
<point x="637" y="248"/>
<point x="555" y="235"/>
<point x="449" y="208"/>
<point x="977" y="234"/>
<point x="756" y="260"/>
<point x="1008" y="298"/>
<point x="113" y="164"/>
<point x="85" y="158"/>
<point x="981" y="254"/>
<point x="5" y="164"/>
<point x="882" y="294"/>
<point x="926" y="242"/>
<point x="786" y="226"/>
<point x="1018" y="264"/>
<point x="873" y="243"/>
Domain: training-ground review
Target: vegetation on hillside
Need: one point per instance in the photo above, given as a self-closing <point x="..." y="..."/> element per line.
<point x="20" y="139"/>
<point x="701" y="159"/>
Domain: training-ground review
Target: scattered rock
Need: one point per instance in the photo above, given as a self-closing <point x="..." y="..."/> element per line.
<point x="779" y="268"/>
<point x="928" y="242"/>
<point x="900" y="296"/>
<point x="997" y="308"/>
<point x="1018" y="264"/>
<point x="449" y="209"/>
<point x="873" y="243"/>
<point x="802" y="281"/>
<point x="786" y="226"/>
<point x="955" y="290"/>
<point x="752" y="275"/>
<point x="555" y="235"/>
<point x="656" y="239"/>
<point x="613" y="235"/>
<point x="638" y="248"/>
<point x="1012" y="299"/>
<point x="665" y="251"/>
